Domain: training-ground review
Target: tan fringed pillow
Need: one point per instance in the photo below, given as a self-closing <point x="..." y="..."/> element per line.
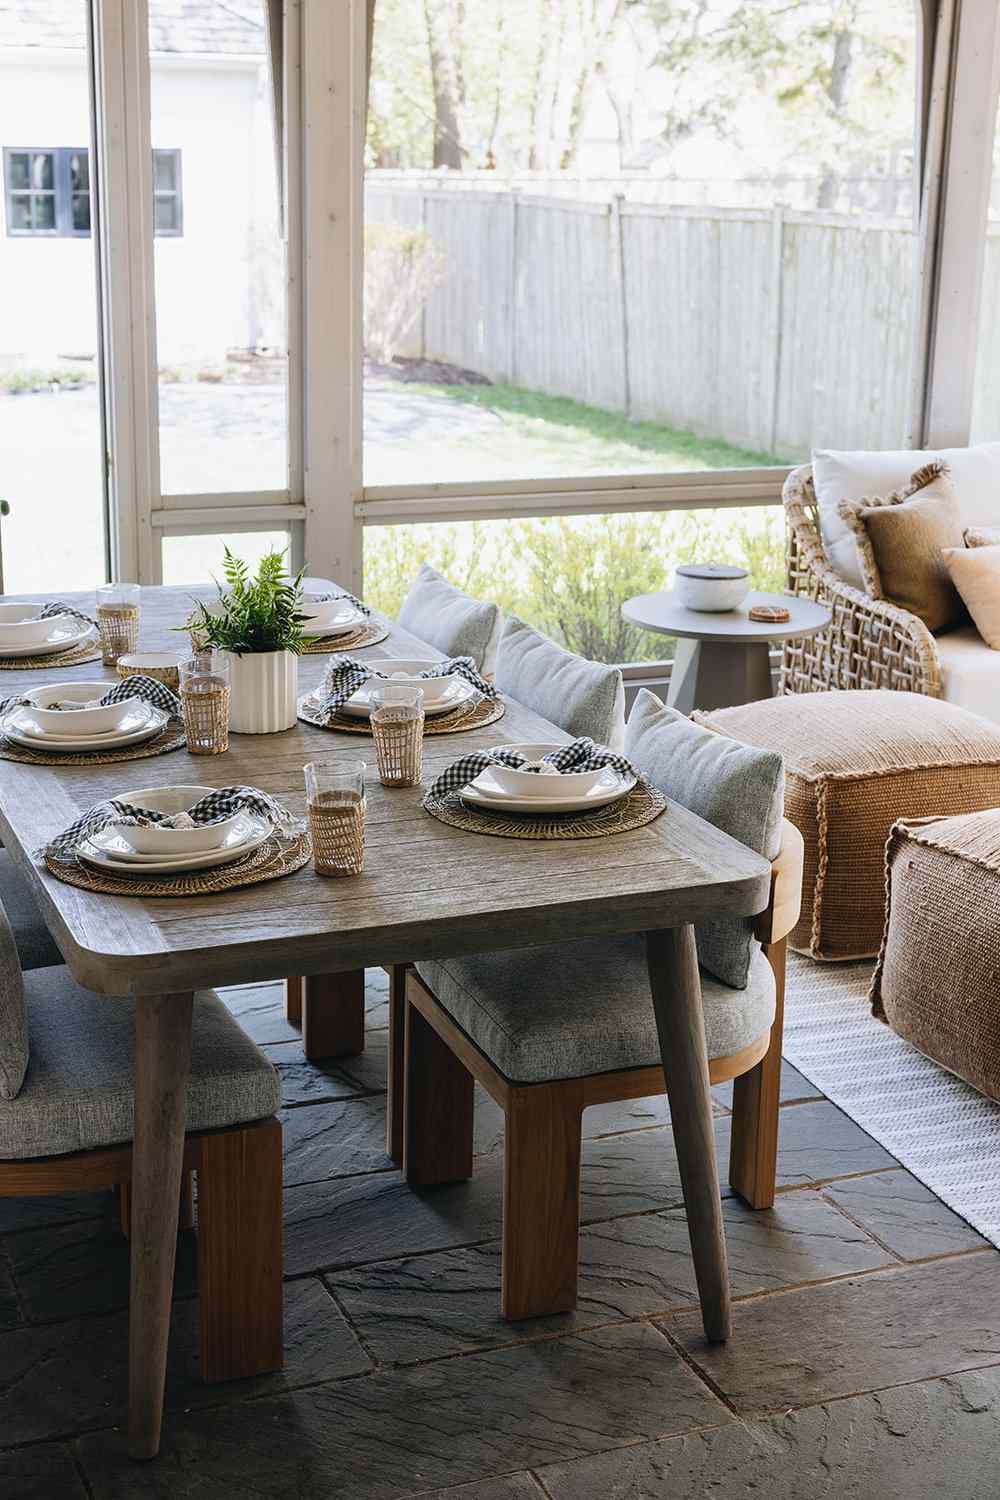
<point x="900" y="539"/>
<point x="983" y="536"/>
<point x="975" y="572"/>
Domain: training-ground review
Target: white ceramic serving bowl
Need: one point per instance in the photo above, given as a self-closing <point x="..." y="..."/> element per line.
<point x="168" y="841"/>
<point x="20" y="625"/>
<point x="711" y="588"/>
<point x="535" y="784"/>
<point x="78" y="722"/>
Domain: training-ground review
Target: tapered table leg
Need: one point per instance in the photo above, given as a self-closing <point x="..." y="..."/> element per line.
<point x="162" y="1065"/>
<point x="676" y="986"/>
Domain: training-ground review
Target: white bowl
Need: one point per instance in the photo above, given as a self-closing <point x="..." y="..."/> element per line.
<point x="406" y="670"/>
<point x="711" y="588"/>
<point x="20" y="625"/>
<point x="168" y="841"/>
<point x="538" y="784"/>
<point x="331" y="615"/>
<point x="78" y="722"/>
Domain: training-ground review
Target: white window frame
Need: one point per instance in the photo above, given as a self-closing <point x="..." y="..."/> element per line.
<point x="322" y="125"/>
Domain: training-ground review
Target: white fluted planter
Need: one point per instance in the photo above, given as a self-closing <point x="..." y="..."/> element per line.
<point x="263" y="691"/>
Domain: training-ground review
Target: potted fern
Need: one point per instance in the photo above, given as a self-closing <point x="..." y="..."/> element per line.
<point x="257" y="623"/>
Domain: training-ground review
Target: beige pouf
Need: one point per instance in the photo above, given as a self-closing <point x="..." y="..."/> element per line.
<point x="936" y="982"/>
<point x="854" y="763"/>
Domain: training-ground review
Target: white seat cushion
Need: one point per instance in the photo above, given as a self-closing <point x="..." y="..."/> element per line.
<point x="853" y="475"/>
<point x="569" y="1010"/>
<point x="78" y="1092"/>
<point x="970" y="672"/>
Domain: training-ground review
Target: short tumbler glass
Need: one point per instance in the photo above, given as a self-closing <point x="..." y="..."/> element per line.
<point x="335" y="802"/>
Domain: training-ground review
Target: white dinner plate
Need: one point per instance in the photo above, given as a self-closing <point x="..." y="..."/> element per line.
<point x="454" y="694"/>
<point x="142" y="723"/>
<point x="59" y="640"/>
<point x="336" y="622"/>
<point x="486" y="792"/>
<point x="107" y="850"/>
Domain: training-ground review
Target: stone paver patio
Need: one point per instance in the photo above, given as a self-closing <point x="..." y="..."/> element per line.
<point x="865" y="1359"/>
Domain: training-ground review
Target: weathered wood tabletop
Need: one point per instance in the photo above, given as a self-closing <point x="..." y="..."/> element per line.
<point x="427" y="890"/>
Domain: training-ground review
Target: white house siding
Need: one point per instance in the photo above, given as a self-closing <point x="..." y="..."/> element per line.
<point x="215" y="282"/>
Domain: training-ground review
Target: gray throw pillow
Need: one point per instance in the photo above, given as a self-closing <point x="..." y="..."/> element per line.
<point x="440" y="614"/>
<point x="738" y="788"/>
<point x="582" y="697"/>
<point x="13" y="1015"/>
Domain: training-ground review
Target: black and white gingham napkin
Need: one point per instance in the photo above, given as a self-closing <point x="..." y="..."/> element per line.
<point x="147" y="688"/>
<point x="345" y="674"/>
<point x="348" y="599"/>
<point x="580" y="755"/>
<point x="55" y="608"/>
<point x="211" y="809"/>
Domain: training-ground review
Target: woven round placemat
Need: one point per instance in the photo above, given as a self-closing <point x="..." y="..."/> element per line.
<point x="642" y="804"/>
<point x="469" y="716"/>
<point x="366" y="635"/>
<point x="278" y="856"/>
<point x="89" y="650"/>
<point x="170" y="737"/>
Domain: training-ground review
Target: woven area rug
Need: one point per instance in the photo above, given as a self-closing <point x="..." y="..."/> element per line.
<point x="937" y="1126"/>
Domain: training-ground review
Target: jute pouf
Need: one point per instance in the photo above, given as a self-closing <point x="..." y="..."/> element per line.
<point x="854" y="763"/>
<point x="936" y="980"/>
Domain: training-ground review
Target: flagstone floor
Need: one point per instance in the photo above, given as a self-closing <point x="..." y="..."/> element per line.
<point x="864" y="1362"/>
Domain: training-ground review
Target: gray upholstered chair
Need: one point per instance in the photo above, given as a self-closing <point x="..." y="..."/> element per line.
<point x="582" y="697"/>
<point x="454" y="622"/>
<point x="66" y="1121"/>
<point x="550" y="1030"/>
<point x="36" y="947"/>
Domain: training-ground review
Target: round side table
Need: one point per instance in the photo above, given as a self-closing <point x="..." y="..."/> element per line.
<point x="722" y="659"/>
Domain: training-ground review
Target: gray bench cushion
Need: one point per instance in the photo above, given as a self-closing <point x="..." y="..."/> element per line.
<point x="567" y="1010"/>
<point x="738" y="788"/>
<point x="35" y="946"/>
<point x="78" y="1091"/>
<point x="455" y="623"/>
<point x="582" y="697"/>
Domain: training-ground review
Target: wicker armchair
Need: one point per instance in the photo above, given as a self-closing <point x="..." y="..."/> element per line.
<point x="871" y="643"/>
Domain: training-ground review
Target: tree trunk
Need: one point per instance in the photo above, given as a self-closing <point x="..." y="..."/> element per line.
<point x="836" y="92"/>
<point x="440" y="44"/>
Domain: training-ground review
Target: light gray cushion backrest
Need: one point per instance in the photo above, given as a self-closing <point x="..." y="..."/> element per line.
<point x="13" y="1015"/>
<point x="455" y="623"/>
<point x="580" y="696"/>
<point x="739" y="789"/>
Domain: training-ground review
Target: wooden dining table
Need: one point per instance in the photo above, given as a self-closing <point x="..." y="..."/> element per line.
<point x="428" y="890"/>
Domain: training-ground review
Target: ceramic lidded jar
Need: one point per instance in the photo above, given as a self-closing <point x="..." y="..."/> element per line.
<point x="711" y="588"/>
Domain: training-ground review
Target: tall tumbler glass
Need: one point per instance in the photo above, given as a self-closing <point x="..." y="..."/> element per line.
<point x="205" y="702"/>
<point x="397" y="724"/>
<point x="335" y="802"/>
<point x="117" y="620"/>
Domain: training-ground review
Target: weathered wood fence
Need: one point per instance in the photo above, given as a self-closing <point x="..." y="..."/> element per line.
<point x="775" y="331"/>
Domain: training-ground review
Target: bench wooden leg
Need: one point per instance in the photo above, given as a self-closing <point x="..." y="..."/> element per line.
<point x="676" y="987"/>
<point x="397" y="1065"/>
<point x="333" y="1014"/>
<point x="240" y="1251"/>
<point x="439" y="1094"/>
<point x="293" y="1000"/>
<point x="753" y="1154"/>
<point x="541" y="1201"/>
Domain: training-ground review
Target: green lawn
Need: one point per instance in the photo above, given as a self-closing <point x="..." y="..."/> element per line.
<point x="608" y="439"/>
